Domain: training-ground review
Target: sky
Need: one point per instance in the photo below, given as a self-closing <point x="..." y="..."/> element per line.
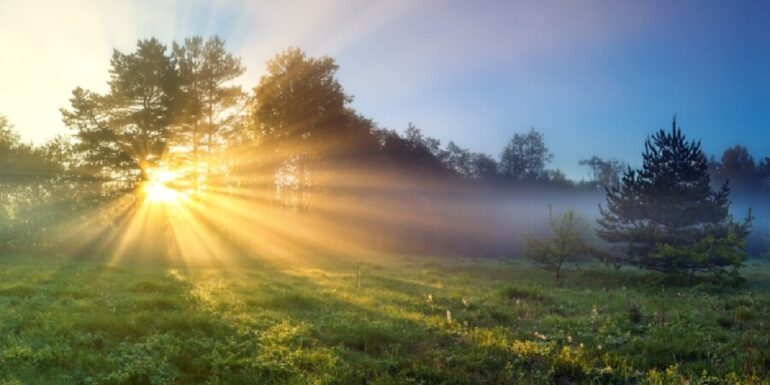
<point x="595" y="77"/>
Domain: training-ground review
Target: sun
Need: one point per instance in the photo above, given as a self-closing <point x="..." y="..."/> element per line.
<point x="159" y="189"/>
<point x="157" y="192"/>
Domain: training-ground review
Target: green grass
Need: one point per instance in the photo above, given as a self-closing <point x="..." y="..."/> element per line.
<point x="64" y="321"/>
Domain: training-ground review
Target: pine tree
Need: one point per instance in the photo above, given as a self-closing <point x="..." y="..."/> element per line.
<point x="125" y="131"/>
<point x="666" y="217"/>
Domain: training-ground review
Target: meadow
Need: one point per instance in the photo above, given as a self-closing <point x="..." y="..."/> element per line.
<point x="402" y="320"/>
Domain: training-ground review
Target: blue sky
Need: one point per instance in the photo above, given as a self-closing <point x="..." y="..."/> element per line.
<point x="596" y="77"/>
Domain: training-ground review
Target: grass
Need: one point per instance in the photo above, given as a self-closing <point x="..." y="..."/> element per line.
<point x="412" y="321"/>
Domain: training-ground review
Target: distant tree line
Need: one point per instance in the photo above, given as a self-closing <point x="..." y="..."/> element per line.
<point x="739" y="168"/>
<point x="293" y="137"/>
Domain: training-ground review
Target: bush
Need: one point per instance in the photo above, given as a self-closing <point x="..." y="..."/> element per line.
<point x="566" y="244"/>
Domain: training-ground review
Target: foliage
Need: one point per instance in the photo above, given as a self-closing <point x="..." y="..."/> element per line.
<point x="468" y="164"/>
<point x="78" y="322"/>
<point x="567" y="244"/>
<point x="525" y="156"/>
<point x="605" y="173"/>
<point x="299" y="109"/>
<point x="126" y="130"/>
<point x="737" y="166"/>
<point x="665" y="216"/>
<point x="207" y="106"/>
<point x="290" y="140"/>
<point x="32" y="184"/>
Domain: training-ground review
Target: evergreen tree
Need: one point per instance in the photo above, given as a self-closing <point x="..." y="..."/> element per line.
<point x="125" y="131"/>
<point x="208" y="104"/>
<point x="666" y="217"/>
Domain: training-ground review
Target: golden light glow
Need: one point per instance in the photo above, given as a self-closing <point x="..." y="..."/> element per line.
<point x="248" y="203"/>
<point x="158" y="188"/>
<point x="158" y="193"/>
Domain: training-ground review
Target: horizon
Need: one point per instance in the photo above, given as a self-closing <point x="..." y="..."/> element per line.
<point x="460" y="73"/>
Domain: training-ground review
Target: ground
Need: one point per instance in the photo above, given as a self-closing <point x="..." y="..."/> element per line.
<point x="401" y="320"/>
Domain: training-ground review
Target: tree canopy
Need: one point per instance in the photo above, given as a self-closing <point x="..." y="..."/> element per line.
<point x="525" y="157"/>
<point x="126" y="130"/>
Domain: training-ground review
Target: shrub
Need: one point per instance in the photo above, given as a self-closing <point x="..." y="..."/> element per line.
<point x="566" y="244"/>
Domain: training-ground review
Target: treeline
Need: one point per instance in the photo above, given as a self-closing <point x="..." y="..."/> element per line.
<point x="291" y="142"/>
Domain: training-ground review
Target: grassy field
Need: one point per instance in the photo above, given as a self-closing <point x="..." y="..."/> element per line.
<point x="407" y="321"/>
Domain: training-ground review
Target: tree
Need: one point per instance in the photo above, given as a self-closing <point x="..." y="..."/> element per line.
<point x="31" y="192"/>
<point x="411" y="151"/>
<point x="8" y="137"/>
<point x="421" y="143"/>
<point x="459" y="160"/>
<point x="558" y="177"/>
<point x="666" y="217"/>
<point x="605" y="173"/>
<point x="465" y="163"/>
<point x="423" y="152"/>
<point x="207" y="105"/>
<point x="19" y="161"/>
<point x="483" y="166"/>
<point x="300" y="115"/>
<point x="737" y="166"/>
<point x="525" y="157"/>
<point x="298" y="100"/>
<point x="763" y="171"/>
<point x="126" y="131"/>
<point x="567" y="244"/>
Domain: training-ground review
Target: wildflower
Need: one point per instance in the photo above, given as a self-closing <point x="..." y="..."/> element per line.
<point x="595" y="311"/>
<point x="448" y="316"/>
<point x="569" y="338"/>
<point x="466" y="303"/>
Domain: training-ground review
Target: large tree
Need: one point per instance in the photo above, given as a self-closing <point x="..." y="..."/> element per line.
<point x="208" y="103"/>
<point x="298" y="101"/>
<point x="666" y="217"/>
<point x="303" y="125"/>
<point x="125" y="131"/>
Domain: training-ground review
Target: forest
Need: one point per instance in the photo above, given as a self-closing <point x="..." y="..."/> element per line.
<point x="294" y="145"/>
